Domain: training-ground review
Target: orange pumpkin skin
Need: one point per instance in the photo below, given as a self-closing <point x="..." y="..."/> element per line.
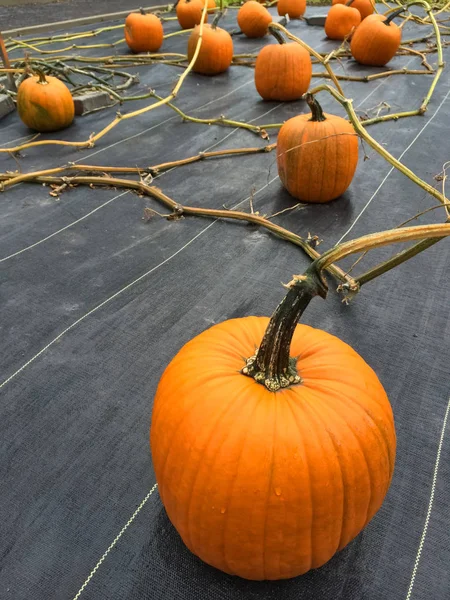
<point x="293" y="8"/>
<point x="253" y="19"/>
<point x="375" y="43"/>
<point x="189" y="13"/>
<point x="269" y="485"/>
<point x="216" y="51"/>
<point x="45" y="103"/>
<point x="317" y="159"/>
<point x="211" y="6"/>
<point x="283" y="72"/>
<point x="340" y="21"/>
<point x="365" y="7"/>
<point x="143" y="33"/>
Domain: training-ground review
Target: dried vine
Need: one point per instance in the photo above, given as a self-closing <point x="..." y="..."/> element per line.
<point x="101" y="77"/>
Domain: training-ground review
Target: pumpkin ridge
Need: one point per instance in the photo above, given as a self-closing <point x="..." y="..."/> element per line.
<point x="355" y="402"/>
<point x="343" y="420"/>
<point x="314" y="413"/>
<point x="314" y="416"/>
<point x="213" y="432"/>
<point x="344" y="487"/>
<point x="337" y="157"/>
<point x="292" y="71"/>
<point x="230" y="493"/>
<point x="170" y="445"/>
<point x="355" y="435"/>
<point x="269" y="487"/>
<point x="347" y="163"/>
<point x="323" y="143"/>
<point x="305" y="457"/>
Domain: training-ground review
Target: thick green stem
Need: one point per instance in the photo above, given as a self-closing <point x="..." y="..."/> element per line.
<point x="216" y="19"/>
<point x="392" y="16"/>
<point x="273" y="366"/>
<point x="277" y="35"/>
<point x="396" y="260"/>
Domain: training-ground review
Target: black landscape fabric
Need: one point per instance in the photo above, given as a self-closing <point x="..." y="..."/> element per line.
<point x="95" y="309"/>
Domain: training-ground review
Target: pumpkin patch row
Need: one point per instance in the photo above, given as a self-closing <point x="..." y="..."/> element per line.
<point x="374" y="38"/>
<point x="307" y="143"/>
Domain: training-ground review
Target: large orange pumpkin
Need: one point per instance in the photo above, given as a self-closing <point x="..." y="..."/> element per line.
<point x="341" y="20"/>
<point x="45" y="103"/>
<point x="189" y="13"/>
<point x="143" y="33"/>
<point x="365" y="7"/>
<point x="216" y="50"/>
<point x="282" y="71"/>
<point x="267" y="476"/>
<point x="317" y="155"/>
<point x="293" y="8"/>
<point x="253" y="19"/>
<point x="376" y="40"/>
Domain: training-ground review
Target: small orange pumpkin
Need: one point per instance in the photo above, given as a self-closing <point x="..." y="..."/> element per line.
<point x="293" y="8"/>
<point x="376" y="40"/>
<point x="317" y="155"/>
<point x="216" y="50"/>
<point x="268" y="466"/>
<point x="45" y="103"/>
<point x="143" y="32"/>
<point x="189" y="13"/>
<point x="340" y="21"/>
<point x="365" y="7"/>
<point x="282" y="71"/>
<point x="253" y="19"/>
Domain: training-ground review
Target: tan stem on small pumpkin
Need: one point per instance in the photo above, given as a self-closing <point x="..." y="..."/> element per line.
<point x="42" y="79"/>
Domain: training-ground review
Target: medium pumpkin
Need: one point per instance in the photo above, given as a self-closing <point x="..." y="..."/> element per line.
<point x="341" y="20"/>
<point x="45" y="103"/>
<point x="293" y="8"/>
<point x="282" y="71"/>
<point x="268" y="467"/>
<point x="216" y="50"/>
<point x="365" y="7"/>
<point x="253" y="19"/>
<point x="317" y="155"/>
<point x="143" y="32"/>
<point x="189" y="13"/>
<point x="376" y="40"/>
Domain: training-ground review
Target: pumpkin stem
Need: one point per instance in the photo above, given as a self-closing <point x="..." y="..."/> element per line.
<point x="272" y="365"/>
<point x="142" y="11"/>
<point x="277" y="35"/>
<point x="388" y="20"/>
<point x="316" y="109"/>
<point x="348" y="3"/>
<point x="216" y="19"/>
<point x="42" y="78"/>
